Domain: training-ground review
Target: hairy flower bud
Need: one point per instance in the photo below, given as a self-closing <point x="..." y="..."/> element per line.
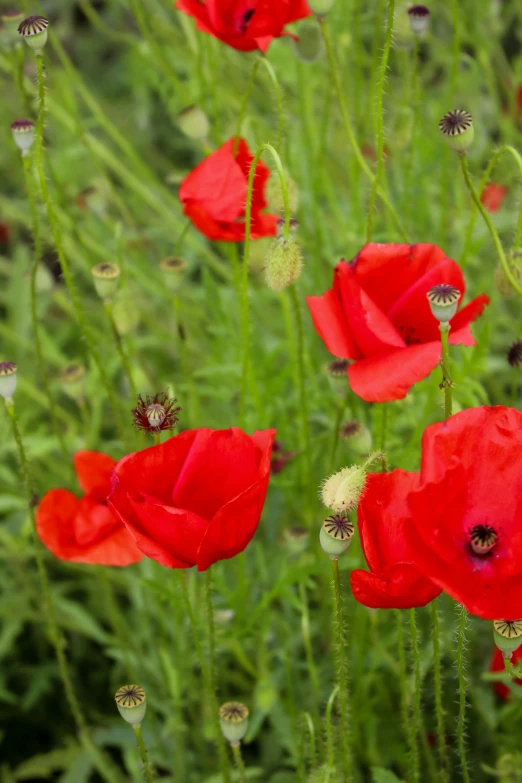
<point x="507" y="635"/>
<point x="34" y="32"/>
<point x="23" y="134"/>
<point x="336" y="535"/>
<point x="502" y="283"/>
<point x="233" y="719"/>
<point x="106" y="278"/>
<point x="283" y="263"/>
<point x="309" y="45"/>
<point x="193" y="122"/>
<point x="444" y="300"/>
<point x="131" y="702"/>
<point x="7" y="380"/>
<point x="341" y="491"/>
<point x="457" y="128"/>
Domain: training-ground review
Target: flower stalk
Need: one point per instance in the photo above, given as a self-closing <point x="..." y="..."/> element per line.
<point x="147" y="769"/>
<point x="341" y="666"/>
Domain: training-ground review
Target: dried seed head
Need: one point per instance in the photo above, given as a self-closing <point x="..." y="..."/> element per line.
<point x="283" y="262"/>
<point x="419" y="16"/>
<point x="7" y="380"/>
<point x="34" y="31"/>
<point x="457" y="128"/>
<point x="173" y="270"/>
<point x="131" y="702"/>
<point x="482" y="539"/>
<point x="23" y="134"/>
<point x="507" y="635"/>
<point x="336" y="535"/>
<point x="357" y="436"/>
<point x="233" y="718"/>
<point x="73" y="381"/>
<point x="309" y="46"/>
<point x="193" y="122"/>
<point x="157" y="413"/>
<point x="444" y="300"/>
<point x="296" y="539"/>
<point x="106" y="279"/>
<point x="514" y="355"/>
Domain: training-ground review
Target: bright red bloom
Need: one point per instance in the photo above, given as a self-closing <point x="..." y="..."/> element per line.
<point x="378" y="315"/>
<point x="195" y="499"/>
<point x="393" y="582"/>
<point x="497" y="665"/>
<point x="493" y="195"/>
<point x="85" y="530"/>
<point x="245" y="24"/>
<point x="465" y="530"/>
<point x="214" y="195"/>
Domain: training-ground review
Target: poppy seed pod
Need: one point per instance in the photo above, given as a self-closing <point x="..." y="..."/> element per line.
<point x="336" y="535"/>
<point x="131" y="702"/>
<point x="296" y="540"/>
<point x="458" y="130"/>
<point x="337" y="375"/>
<point x="106" y="278"/>
<point x="23" y="134"/>
<point x="444" y="301"/>
<point x="283" y="263"/>
<point x="341" y="491"/>
<point x="321" y="7"/>
<point x="72" y="380"/>
<point x="11" y="19"/>
<point x="193" y="122"/>
<point x="507" y="635"/>
<point x="233" y="719"/>
<point x="419" y="17"/>
<point x="34" y="32"/>
<point x="357" y="436"/>
<point x="309" y="45"/>
<point x="7" y="380"/>
<point x="173" y="270"/>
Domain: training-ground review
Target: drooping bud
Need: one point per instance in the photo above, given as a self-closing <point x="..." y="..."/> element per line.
<point x="419" y="16"/>
<point x="233" y="719"/>
<point x="502" y="283"/>
<point x="458" y="130"/>
<point x="34" y="32"/>
<point x="72" y="380"/>
<point x="23" y="134"/>
<point x="106" y="278"/>
<point x="7" y="380"/>
<point x="357" y="436"/>
<point x="309" y="45"/>
<point x="193" y="122"/>
<point x="283" y="263"/>
<point x="444" y="300"/>
<point x="336" y="535"/>
<point x="321" y="7"/>
<point x="296" y="540"/>
<point x="131" y="702"/>
<point x="173" y="270"/>
<point x="507" y="635"/>
<point x="514" y="355"/>
<point x="337" y="375"/>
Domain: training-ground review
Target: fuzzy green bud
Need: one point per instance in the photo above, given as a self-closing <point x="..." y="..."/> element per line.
<point x="106" y="279"/>
<point x="7" y="380"/>
<point x="341" y="491"/>
<point x="357" y="436"/>
<point x="34" y="32"/>
<point x="457" y="128"/>
<point x="321" y="7"/>
<point x="131" y="702"/>
<point x="507" y="635"/>
<point x="336" y="535"/>
<point x="444" y="300"/>
<point x="283" y="263"/>
<point x="309" y="45"/>
<point x="233" y="719"/>
<point x="72" y="380"/>
<point x="193" y="122"/>
<point x="173" y="271"/>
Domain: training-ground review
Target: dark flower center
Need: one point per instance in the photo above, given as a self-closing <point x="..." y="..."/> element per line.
<point x="338" y="367"/>
<point x="339" y="527"/>
<point x="443" y="294"/>
<point x="130" y="696"/>
<point x="455" y="122"/>
<point x="245" y="20"/>
<point x="483" y="539"/>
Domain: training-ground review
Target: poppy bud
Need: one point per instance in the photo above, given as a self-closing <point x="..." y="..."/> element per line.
<point x="274" y="194"/>
<point x="514" y="355"/>
<point x="23" y="134"/>
<point x="444" y="300"/>
<point x="336" y="535"/>
<point x="502" y="283"/>
<point x="419" y="16"/>
<point x="357" y="436"/>
<point x="341" y="491"/>
<point x="34" y="31"/>
<point x="457" y="128"/>
<point x="193" y="122"/>
<point x="337" y="375"/>
<point x="7" y="380"/>
<point x="296" y="540"/>
<point x="131" y="702"/>
<point x="283" y="263"/>
<point x="106" y="278"/>
<point x="321" y="7"/>
<point x="73" y="381"/>
<point x="309" y="45"/>
<point x="173" y="270"/>
<point x="507" y="635"/>
<point x="233" y="718"/>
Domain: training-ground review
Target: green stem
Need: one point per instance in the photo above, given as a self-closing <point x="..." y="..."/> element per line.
<point x="309" y="654"/>
<point x="447" y="383"/>
<point x="147" y="769"/>
<point x="489" y="224"/>
<point x="236" y="751"/>
<point x="305" y="428"/>
<point x="403" y="684"/>
<point x="416" y="106"/>
<point x="461" y="726"/>
<point x="341" y="664"/>
<point x="380" y="122"/>
<point x="121" y="349"/>
<point x="416" y="698"/>
<point x="437" y="676"/>
<point x="341" y="407"/>
<point x="329" y="734"/>
<point x="350" y="131"/>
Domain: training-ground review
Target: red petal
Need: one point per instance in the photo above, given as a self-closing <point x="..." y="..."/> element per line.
<point x="403" y="587"/>
<point x="331" y="325"/>
<point x="218" y="184"/>
<point x="94" y="473"/>
<point x="466" y="315"/>
<point x="390" y="376"/>
<point x="175" y="530"/>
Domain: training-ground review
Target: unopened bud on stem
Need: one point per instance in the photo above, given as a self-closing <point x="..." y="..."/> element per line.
<point x="283" y="262"/>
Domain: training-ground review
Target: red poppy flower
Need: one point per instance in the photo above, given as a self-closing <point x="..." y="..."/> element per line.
<point x="378" y="315"/>
<point x="465" y="527"/>
<point x="393" y="582"/>
<point x="493" y="195"/>
<point x="214" y="195"/>
<point x="195" y="499"/>
<point x="245" y="24"/>
<point x="85" y="530"/>
<point x="497" y="665"/>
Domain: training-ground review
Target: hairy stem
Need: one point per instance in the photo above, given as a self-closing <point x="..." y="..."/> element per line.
<point x="461" y="666"/>
<point x="147" y="769"/>
<point x="341" y="665"/>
